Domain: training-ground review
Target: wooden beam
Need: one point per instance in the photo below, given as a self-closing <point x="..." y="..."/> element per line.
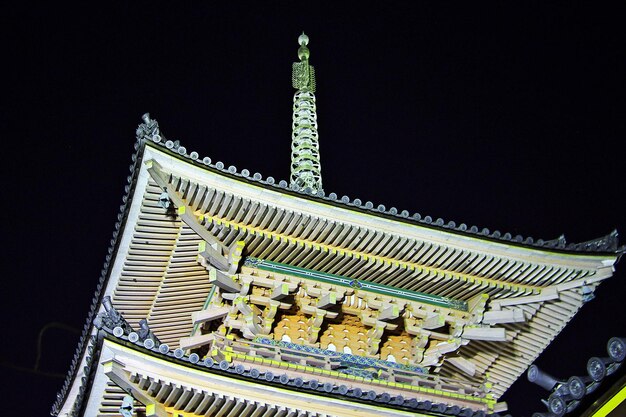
<point x="315" y="325"/>
<point x="600" y="275"/>
<point x="215" y="249"/>
<point x="389" y="312"/>
<point x="462" y="364"/>
<point x="270" y="281"/>
<point x="114" y="369"/>
<point x="327" y="300"/>
<point x="234" y="255"/>
<point x="476" y="307"/>
<point x="433" y="321"/>
<point x="192" y="342"/>
<point x="245" y="307"/>
<point x="212" y="255"/>
<point x="280" y="291"/>
<point x="494" y="334"/>
<point x="514" y="315"/>
<point x="266" y="301"/>
<point x="547" y="294"/>
<point x="209" y="314"/>
<point x="312" y="310"/>
<point x="225" y="282"/>
<point x="444" y="347"/>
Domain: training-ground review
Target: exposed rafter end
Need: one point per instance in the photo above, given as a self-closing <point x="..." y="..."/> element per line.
<point x="493" y="334"/>
<point x="114" y="369"/>
<point x="547" y="294"/>
<point x="514" y="315"/>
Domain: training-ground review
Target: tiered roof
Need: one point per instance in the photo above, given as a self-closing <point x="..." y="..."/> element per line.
<point x="178" y="204"/>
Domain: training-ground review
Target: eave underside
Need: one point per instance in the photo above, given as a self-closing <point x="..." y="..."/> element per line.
<point x="162" y="281"/>
<point x="162" y="388"/>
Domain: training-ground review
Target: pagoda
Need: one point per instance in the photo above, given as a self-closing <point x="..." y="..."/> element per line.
<point x="225" y="293"/>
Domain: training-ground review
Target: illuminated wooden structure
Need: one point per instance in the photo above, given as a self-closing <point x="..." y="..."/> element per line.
<point x="228" y="294"/>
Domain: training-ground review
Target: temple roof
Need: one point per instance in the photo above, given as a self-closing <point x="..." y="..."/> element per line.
<point x="169" y="380"/>
<point x="605" y="244"/>
<point x="500" y="265"/>
<point x="184" y="215"/>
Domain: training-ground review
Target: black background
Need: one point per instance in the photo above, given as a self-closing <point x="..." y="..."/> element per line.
<point x="505" y="116"/>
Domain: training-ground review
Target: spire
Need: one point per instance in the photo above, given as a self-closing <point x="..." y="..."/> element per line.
<point x="305" y="156"/>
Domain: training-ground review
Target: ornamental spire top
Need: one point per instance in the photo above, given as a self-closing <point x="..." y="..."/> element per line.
<point x="303" y="76"/>
<point x="305" y="156"/>
<point x="303" y="52"/>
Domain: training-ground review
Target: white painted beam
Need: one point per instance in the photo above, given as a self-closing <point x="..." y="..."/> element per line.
<point x="192" y="342"/>
<point x="494" y="334"/>
<point x="514" y="315"/>
<point x="280" y="291"/>
<point x="209" y="314"/>
<point x="547" y="294"/>
<point x="464" y="365"/>
<point x="215" y="248"/>
<point x="223" y="281"/>
<point x="114" y="369"/>
<point x="327" y="300"/>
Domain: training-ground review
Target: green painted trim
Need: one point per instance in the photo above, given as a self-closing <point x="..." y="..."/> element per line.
<point x="363" y="285"/>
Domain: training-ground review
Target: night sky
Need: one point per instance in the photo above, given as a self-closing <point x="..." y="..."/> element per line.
<point x="505" y="117"/>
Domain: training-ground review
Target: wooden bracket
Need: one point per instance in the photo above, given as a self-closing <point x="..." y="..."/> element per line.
<point x="225" y="282"/>
<point x="214" y="249"/>
<point x="114" y="369"/>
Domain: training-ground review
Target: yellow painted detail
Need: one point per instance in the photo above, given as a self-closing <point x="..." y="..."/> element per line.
<point x="378" y="259"/>
<point x="108" y="366"/>
<point x="182" y="210"/>
<point x="314" y="370"/>
<point x="611" y="404"/>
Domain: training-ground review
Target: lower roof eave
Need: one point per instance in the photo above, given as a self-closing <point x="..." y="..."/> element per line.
<point x="132" y="367"/>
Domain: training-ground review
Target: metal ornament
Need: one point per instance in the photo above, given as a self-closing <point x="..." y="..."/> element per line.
<point x="566" y="396"/>
<point x="149" y="130"/>
<point x="127" y="409"/>
<point x="111" y="319"/>
<point x="305" y="156"/>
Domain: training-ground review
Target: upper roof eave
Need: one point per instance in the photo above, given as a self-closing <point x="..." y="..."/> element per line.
<point x="606" y="245"/>
<point x="597" y="247"/>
